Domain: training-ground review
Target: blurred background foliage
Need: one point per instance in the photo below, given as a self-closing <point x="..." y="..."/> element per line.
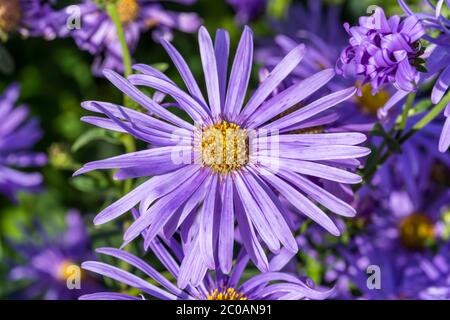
<point x="55" y="77"/>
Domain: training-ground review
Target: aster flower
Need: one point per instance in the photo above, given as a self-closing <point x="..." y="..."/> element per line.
<point x="438" y="62"/>
<point x="405" y="241"/>
<point x="247" y="10"/>
<point x="384" y="51"/>
<point x="98" y="35"/>
<point x="404" y="274"/>
<point x="17" y="136"/>
<point x="226" y="161"/>
<point x="51" y="260"/>
<point x="212" y="286"/>
<point x="408" y="225"/>
<point x="35" y="18"/>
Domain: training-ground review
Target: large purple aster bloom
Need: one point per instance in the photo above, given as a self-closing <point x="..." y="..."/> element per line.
<point x="98" y="35"/>
<point x="212" y="286"/>
<point x="50" y="261"/>
<point x="384" y="51"/>
<point x="241" y="158"/>
<point x="17" y="137"/>
<point x="35" y="18"/>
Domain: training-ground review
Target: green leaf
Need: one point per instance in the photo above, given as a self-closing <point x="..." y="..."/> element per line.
<point x="6" y="61"/>
<point x="92" y="135"/>
<point x="161" y="66"/>
<point x="277" y="8"/>
<point x="84" y="184"/>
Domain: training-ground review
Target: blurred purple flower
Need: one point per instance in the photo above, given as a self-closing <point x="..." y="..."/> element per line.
<point x="211" y="286"/>
<point x="247" y="10"/>
<point x="384" y="51"/>
<point x="17" y="136"/>
<point x="98" y="35"/>
<point x="321" y="33"/>
<point x="405" y="241"/>
<point x="33" y="18"/>
<point x="414" y="169"/>
<point x="50" y="261"/>
<point x="401" y="274"/>
<point x="247" y="184"/>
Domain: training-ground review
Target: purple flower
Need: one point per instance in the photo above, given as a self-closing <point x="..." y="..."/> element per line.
<point x="247" y="10"/>
<point x="400" y="275"/>
<point x="405" y="241"/>
<point x="438" y="62"/>
<point x="17" y="136"/>
<point x="241" y="158"/>
<point x="384" y="51"/>
<point x="98" y="35"/>
<point x="52" y="262"/>
<point x="33" y="18"/>
<point x="211" y="286"/>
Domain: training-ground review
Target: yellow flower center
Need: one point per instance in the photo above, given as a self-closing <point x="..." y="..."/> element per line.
<point x="128" y="10"/>
<point x="416" y="230"/>
<point x="226" y="294"/>
<point x="372" y="103"/>
<point x="224" y="147"/>
<point x="65" y="270"/>
<point x="10" y="15"/>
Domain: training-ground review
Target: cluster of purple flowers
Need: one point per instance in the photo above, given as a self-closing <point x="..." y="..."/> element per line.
<point x="96" y="32"/>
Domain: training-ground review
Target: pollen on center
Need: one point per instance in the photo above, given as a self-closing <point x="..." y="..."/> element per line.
<point x="224" y="147"/>
<point x="128" y="10"/>
<point x="226" y="294"/>
<point x="415" y="230"/>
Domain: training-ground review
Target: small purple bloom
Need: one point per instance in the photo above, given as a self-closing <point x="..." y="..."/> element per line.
<point x="247" y="10"/>
<point x="98" y="35"/>
<point x="383" y="51"/>
<point x="438" y="62"/>
<point x="52" y="262"/>
<point x="211" y="286"/>
<point x="267" y="158"/>
<point x="17" y="137"/>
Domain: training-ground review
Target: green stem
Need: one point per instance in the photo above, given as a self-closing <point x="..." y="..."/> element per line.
<point x="405" y="112"/>
<point x="111" y="8"/>
<point x="430" y="116"/>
